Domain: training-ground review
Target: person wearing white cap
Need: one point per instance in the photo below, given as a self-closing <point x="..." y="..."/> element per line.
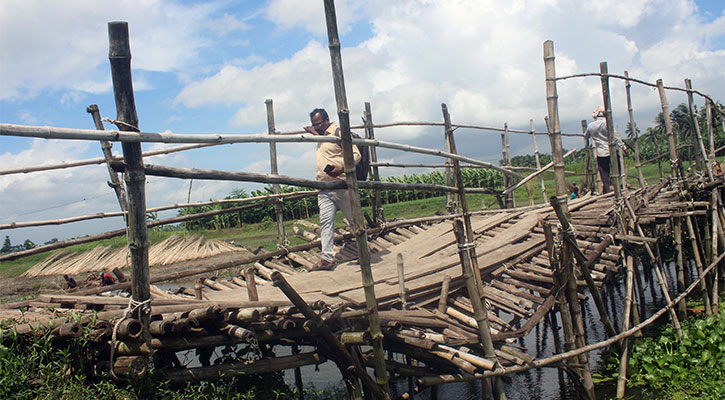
<point x="597" y="130"/>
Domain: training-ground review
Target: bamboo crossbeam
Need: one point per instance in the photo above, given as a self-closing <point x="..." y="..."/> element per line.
<point x="119" y="232"/>
<point x="49" y="132"/>
<point x="628" y="78"/>
<point x="294" y="195"/>
<point x="535" y="174"/>
<point x="95" y="161"/>
<point x="186" y="173"/>
<point x="262" y="366"/>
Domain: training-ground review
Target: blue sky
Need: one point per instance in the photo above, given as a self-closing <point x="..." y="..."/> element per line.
<point x="207" y="67"/>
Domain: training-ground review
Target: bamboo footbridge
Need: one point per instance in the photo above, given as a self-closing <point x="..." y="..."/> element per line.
<point x="444" y="296"/>
<point x="424" y="309"/>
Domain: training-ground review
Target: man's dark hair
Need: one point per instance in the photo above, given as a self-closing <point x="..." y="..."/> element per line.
<point x="322" y="112"/>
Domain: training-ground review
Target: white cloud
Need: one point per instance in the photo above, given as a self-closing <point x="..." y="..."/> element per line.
<point x="481" y="57"/>
<point x="47" y="44"/>
<point x="309" y="15"/>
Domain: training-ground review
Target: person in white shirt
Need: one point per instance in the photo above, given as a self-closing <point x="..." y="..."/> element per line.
<point x="597" y="130"/>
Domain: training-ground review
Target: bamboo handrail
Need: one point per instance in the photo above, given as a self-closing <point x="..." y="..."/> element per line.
<point x="628" y="78"/>
<point x="13" y="225"/>
<point x="97" y="160"/>
<point x="150" y="137"/>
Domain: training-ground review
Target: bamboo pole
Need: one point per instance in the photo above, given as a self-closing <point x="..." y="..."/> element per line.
<point x="613" y="148"/>
<point x="698" y="134"/>
<point x="633" y="126"/>
<point x="566" y="267"/>
<point x="370" y="134"/>
<point x="352" y="187"/>
<point x="479" y="308"/>
<point x="590" y="175"/>
<point x="710" y="136"/>
<point x="538" y="162"/>
<point x="278" y="209"/>
<point x="152" y="137"/>
<point x="470" y="252"/>
<point x="675" y="165"/>
<point x="585" y="264"/>
<point x="251" y="284"/>
<point x="115" y="183"/>
<point x="698" y="264"/>
<point x="629" y="284"/>
<point x="538" y="363"/>
<point x="538" y="172"/>
<point x="120" y="57"/>
<point x="401" y="280"/>
<point x="120" y="232"/>
<point x="349" y="366"/>
<point x="552" y="103"/>
<point x="61" y="221"/>
<point x="97" y="160"/>
<point x="508" y="198"/>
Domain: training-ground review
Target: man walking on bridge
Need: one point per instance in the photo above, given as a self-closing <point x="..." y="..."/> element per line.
<point x="597" y="130"/>
<point x="330" y="167"/>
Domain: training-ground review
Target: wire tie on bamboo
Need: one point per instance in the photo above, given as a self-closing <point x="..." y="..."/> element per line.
<point x="133" y="305"/>
<point x="467" y="246"/>
<point x="283" y="245"/>
<point x="117" y="123"/>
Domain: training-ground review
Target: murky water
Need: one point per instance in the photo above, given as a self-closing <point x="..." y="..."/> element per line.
<point x="542" y="383"/>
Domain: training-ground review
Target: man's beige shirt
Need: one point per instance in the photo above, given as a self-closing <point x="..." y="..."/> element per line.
<point x="331" y="153"/>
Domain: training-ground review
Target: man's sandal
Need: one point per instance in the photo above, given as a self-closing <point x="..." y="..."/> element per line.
<point x="323" y="265"/>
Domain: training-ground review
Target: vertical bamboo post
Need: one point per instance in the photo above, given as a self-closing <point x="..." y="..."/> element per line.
<point x="584" y="266"/>
<point x="710" y="136"/>
<point x="552" y="103"/>
<point x="349" y="366"/>
<point x="198" y="289"/>
<point x="443" y="301"/>
<point x="510" y="200"/>
<point x="507" y="198"/>
<point x="298" y="376"/>
<point x="622" y="378"/>
<point x="463" y="202"/>
<point x="698" y="264"/>
<point x="359" y="225"/>
<point x="589" y="180"/>
<point x="120" y="57"/>
<point x="675" y="165"/>
<point x="698" y="134"/>
<point x="251" y="284"/>
<point x="451" y="205"/>
<point x="538" y="161"/>
<point x="714" y="245"/>
<point x="633" y="126"/>
<point x="479" y="308"/>
<point x="560" y="284"/>
<point x="679" y="264"/>
<point x="278" y="208"/>
<point x="115" y="183"/>
<point x="657" y="267"/>
<point x="370" y="134"/>
<point x="620" y="156"/>
<point x="401" y="280"/>
<point x="577" y="321"/>
<point x="607" y="99"/>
